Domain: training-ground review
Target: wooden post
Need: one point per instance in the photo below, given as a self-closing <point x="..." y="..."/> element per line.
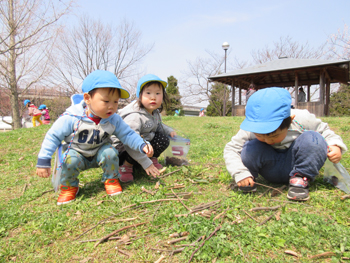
<point x="233" y="100"/>
<point x="322" y="82"/>
<point x="240" y="96"/>
<point x="296" y="90"/>
<point x="308" y="93"/>
<point x="328" y="93"/>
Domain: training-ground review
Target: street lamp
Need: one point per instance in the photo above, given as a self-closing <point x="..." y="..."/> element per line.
<point x="225" y="47"/>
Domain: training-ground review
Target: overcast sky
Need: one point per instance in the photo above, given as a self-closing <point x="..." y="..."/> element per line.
<point x="183" y="30"/>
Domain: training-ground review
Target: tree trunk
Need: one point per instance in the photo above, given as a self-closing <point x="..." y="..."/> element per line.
<point x="16" y="120"/>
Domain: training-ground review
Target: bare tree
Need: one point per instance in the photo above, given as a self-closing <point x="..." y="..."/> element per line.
<point x="92" y="45"/>
<point x="339" y="43"/>
<point x="26" y="30"/>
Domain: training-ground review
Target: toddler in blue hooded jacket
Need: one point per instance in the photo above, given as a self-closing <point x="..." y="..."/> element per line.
<point x="86" y="128"/>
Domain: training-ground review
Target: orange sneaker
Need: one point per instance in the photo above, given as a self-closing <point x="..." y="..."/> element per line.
<point x="67" y="195"/>
<point x="113" y="187"/>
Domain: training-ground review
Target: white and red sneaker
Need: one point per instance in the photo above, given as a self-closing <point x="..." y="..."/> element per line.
<point x="126" y="174"/>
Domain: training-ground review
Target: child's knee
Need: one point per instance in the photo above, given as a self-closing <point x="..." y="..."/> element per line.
<point x="312" y="141"/>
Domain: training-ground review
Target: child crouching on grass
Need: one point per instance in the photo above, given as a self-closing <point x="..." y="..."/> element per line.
<point x="87" y="128"/>
<point x="280" y="144"/>
<point x="143" y="116"/>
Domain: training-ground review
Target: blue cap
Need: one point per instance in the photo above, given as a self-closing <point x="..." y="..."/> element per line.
<point x="103" y="79"/>
<point x="176" y="111"/>
<point x="42" y="106"/>
<point x="202" y="109"/>
<point x="25" y="102"/>
<point x="266" y="109"/>
<point x="148" y="78"/>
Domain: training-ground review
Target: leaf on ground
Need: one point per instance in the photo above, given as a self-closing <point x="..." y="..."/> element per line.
<point x="21" y="158"/>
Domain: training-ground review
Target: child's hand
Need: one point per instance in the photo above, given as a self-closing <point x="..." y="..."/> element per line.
<point x="172" y="134"/>
<point x="43" y="172"/>
<point x="148" y="149"/>
<point x="152" y="170"/>
<point x="335" y="154"/>
<point x="246" y="182"/>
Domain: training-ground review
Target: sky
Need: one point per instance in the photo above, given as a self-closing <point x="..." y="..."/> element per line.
<point x="183" y="30"/>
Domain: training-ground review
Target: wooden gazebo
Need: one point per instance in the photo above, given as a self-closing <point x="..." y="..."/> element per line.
<point x="289" y="72"/>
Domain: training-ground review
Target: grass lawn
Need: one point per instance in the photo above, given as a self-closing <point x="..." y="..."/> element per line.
<point x="34" y="229"/>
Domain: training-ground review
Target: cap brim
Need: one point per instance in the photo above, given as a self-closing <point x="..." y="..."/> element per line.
<point x="164" y="84"/>
<point x="124" y="94"/>
<point x="260" y="127"/>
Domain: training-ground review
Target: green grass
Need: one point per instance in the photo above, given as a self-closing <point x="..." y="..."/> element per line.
<point x="34" y="229"/>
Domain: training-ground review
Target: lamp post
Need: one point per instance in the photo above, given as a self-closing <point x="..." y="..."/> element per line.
<point x="225" y="47"/>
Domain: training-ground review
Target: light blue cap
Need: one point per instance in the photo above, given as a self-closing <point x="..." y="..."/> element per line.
<point x="103" y="79"/>
<point x="42" y="106"/>
<point x="148" y="78"/>
<point x="25" y="102"/>
<point x="266" y="109"/>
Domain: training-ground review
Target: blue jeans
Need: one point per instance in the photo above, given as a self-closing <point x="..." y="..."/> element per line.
<point x="306" y="156"/>
<point x="106" y="157"/>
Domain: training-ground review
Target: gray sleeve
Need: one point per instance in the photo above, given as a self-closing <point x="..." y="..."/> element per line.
<point x="310" y="122"/>
<point x="232" y="156"/>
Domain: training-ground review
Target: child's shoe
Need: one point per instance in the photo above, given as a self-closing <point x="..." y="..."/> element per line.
<point x="247" y="189"/>
<point x="67" y="195"/>
<point x="298" y="188"/>
<point x="126" y="174"/>
<point x="113" y="187"/>
<point x="156" y="164"/>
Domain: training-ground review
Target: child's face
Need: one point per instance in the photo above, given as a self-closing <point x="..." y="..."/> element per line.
<point x="104" y="103"/>
<point x="152" y="97"/>
<point x="272" y="138"/>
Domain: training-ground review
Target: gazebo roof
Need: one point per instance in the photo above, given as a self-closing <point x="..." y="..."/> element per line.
<point x="282" y="73"/>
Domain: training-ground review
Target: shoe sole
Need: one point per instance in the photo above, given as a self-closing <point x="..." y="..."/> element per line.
<point x="67" y="202"/>
<point x="117" y="193"/>
<point x="295" y="198"/>
<point x="126" y="181"/>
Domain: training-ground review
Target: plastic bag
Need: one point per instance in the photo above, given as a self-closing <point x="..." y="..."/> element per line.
<point x="336" y="174"/>
<point x="56" y="173"/>
<point x="176" y="153"/>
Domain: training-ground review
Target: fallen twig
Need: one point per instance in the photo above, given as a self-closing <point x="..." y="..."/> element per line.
<point x="165" y="175"/>
<point x="267" y="219"/>
<point x="153" y="201"/>
<point x="291" y="252"/>
<point x="24" y="188"/>
<point x="265" y="208"/>
<point x="250" y="216"/>
<point x="176" y="240"/>
<point x="274" y="192"/>
<point x="100" y="222"/>
<point x="181" y="201"/>
<point x="345" y="197"/>
<point x="123" y="252"/>
<point x="325" y="254"/>
<point x="166" y="250"/>
<point x="268" y="190"/>
<point x="117" y="231"/>
<point x="97" y="239"/>
<point x="241" y="251"/>
<point x="203" y="206"/>
<point x="268" y="187"/>
<point x="155" y="212"/>
<point x="181" y="234"/>
<point x="213" y="233"/>
<point x="160" y="259"/>
<point x="289" y="202"/>
<point x="147" y="191"/>
<point x="120" y="220"/>
<point x="47" y="191"/>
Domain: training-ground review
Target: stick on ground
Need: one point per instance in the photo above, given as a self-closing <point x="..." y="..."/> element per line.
<point x="117" y="231"/>
<point x="216" y="230"/>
